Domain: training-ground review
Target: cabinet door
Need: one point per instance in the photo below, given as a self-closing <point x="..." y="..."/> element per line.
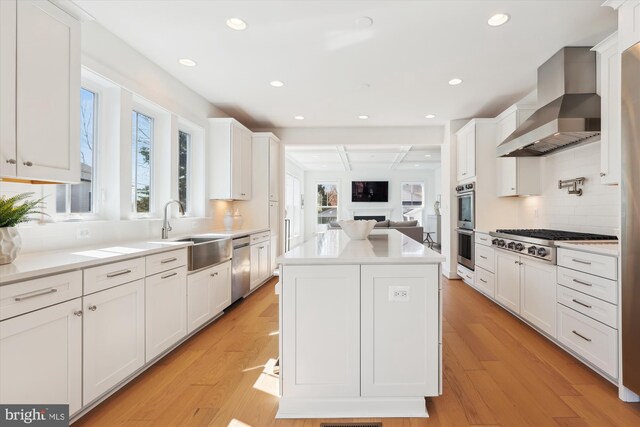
<point x="610" y="94"/>
<point x="247" y="167"/>
<point x="470" y="144"/>
<point x="508" y="280"/>
<point x="506" y="173"/>
<point x="264" y="261"/>
<point x="220" y="287"/>
<point x="8" y="153"/>
<point x="273" y="252"/>
<point x="274" y="170"/>
<point x="237" y="141"/>
<point x="166" y="310"/>
<point x="629" y="24"/>
<point x="399" y="330"/>
<point x="113" y="337"/>
<point x="255" y="266"/>
<point x="320" y="331"/>
<point x="538" y="292"/>
<point x="462" y="157"/>
<point x="48" y="93"/>
<point x="199" y="299"/>
<point x="274" y="218"/>
<point x="41" y="356"/>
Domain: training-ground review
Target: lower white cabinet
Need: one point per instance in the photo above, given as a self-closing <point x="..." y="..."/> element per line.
<point x="165" y="311"/>
<point x="538" y="290"/>
<point x="113" y="337"/>
<point x="208" y="293"/>
<point x="41" y="356"/>
<point x="260" y="263"/>
<point x="508" y="280"/>
<point x="485" y="282"/>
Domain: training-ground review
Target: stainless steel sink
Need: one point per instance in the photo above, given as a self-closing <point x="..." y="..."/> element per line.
<point x="207" y="251"/>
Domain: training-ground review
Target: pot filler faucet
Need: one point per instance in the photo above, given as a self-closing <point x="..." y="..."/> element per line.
<point x="166" y="227"/>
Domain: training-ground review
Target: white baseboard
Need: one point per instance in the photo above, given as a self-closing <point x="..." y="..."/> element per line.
<point x="353" y="407"/>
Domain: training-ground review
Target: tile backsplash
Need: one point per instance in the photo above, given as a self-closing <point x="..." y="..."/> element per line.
<point x="596" y="211"/>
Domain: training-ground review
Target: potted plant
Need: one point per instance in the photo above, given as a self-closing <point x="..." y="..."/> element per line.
<point x="13" y="211"/>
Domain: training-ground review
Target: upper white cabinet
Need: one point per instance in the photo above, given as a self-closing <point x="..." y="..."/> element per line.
<point x="516" y="176"/>
<point x="40" y="84"/>
<point x="466" y="138"/>
<point x="628" y="23"/>
<point x="229" y="160"/>
<point x="274" y="168"/>
<point x="609" y="68"/>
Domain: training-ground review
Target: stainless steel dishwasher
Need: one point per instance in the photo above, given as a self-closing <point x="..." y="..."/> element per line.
<point x="240" y="267"/>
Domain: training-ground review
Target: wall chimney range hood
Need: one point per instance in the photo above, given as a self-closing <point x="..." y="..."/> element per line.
<point x="570" y="116"/>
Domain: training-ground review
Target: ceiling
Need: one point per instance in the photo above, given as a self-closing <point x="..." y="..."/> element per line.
<point x="364" y="157"/>
<point x="395" y="71"/>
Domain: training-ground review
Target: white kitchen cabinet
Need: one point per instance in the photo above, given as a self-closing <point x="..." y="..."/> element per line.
<point x="538" y="290"/>
<point x="208" y="294"/>
<point x="40" y="82"/>
<point x="274" y="168"/>
<point x="165" y="310"/>
<point x="609" y="88"/>
<point x="466" y="138"/>
<point x="485" y="282"/>
<point x="260" y="263"/>
<point x="628" y="23"/>
<point x="397" y="360"/>
<point x="229" y="160"/>
<point x="113" y="337"/>
<point x="41" y="356"/>
<point x="508" y="280"/>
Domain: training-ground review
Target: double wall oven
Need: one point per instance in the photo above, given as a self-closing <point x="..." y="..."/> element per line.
<point x="466" y="222"/>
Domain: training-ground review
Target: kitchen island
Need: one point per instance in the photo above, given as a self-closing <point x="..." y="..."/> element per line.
<point x="360" y="327"/>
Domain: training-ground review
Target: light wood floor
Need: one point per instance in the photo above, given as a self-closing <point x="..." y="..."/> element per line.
<point x="497" y="372"/>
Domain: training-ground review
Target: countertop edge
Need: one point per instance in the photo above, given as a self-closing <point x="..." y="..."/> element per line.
<point x="590" y="248"/>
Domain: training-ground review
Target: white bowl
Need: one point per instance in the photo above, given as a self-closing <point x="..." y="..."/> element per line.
<point x="357" y="230"/>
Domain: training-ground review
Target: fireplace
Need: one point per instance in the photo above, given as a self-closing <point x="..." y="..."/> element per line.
<point x="367" y="217"/>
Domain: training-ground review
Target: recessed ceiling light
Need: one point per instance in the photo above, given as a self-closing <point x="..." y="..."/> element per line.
<point x="416" y="165"/>
<point x="363" y="117"/>
<point x="455" y="82"/>
<point x="427" y="155"/>
<point x="187" y="62"/>
<point x="298" y="117"/>
<point x="236" y="24"/>
<point x="498" y="19"/>
<point x="324" y="166"/>
<point x="315" y="156"/>
<point x="276" y="83"/>
<point x="364" y="22"/>
<point x="430" y="116"/>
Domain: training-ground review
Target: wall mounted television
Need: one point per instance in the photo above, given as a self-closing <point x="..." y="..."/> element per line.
<point x="369" y="191"/>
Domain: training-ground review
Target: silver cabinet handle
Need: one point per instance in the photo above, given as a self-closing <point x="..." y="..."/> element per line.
<point x="483" y="281"/>
<point x="118" y="273"/>
<point x="260" y="247"/>
<point x="582" y="336"/>
<point x="517" y="262"/>
<point x="166" y="276"/>
<point x="78" y="313"/>
<point x="483" y="257"/>
<point x="28" y="163"/>
<point x="164" y="261"/>
<point x="93" y="307"/>
<point x="214" y="274"/>
<point x="582" y="283"/>
<point x="513" y="189"/>
<point x="38" y="294"/>
<point x="11" y="161"/>
<point x="581" y="303"/>
<point x="581" y="261"/>
<point x="602" y="174"/>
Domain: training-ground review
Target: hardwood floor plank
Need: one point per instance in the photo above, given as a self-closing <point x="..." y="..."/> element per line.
<point x="465" y="356"/>
<point x="502" y="406"/>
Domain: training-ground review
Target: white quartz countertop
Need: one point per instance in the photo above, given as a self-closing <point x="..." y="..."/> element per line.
<point x="381" y="247"/>
<point x="237" y="233"/>
<point x="602" y="247"/>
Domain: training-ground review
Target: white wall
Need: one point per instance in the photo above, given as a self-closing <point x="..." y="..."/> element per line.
<point x="346" y="207"/>
<point x="596" y="211"/>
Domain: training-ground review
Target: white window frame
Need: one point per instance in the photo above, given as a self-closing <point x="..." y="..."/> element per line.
<point x="337" y="184"/>
<point x="143" y="109"/>
<point x="188" y="208"/>
<point x="422" y="204"/>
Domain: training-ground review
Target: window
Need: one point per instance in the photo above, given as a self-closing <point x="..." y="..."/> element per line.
<point x="80" y="198"/>
<point x="184" y="168"/>
<point x="327" y="202"/>
<point x="141" y="160"/>
<point x="412" y="196"/>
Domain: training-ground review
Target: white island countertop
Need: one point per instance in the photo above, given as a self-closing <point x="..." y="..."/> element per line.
<point x="381" y="247"/>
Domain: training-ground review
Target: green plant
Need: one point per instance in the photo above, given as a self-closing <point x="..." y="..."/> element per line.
<point x="12" y="212"/>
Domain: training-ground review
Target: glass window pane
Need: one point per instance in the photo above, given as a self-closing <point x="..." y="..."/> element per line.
<point x="327" y="202"/>
<point x="141" y="146"/>
<point x="184" y="148"/>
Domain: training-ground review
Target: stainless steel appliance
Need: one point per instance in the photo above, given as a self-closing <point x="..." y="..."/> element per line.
<point x="466" y="245"/>
<point x="569" y="115"/>
<point x="466" y="206"/>
<point x="630" y="299"/>
<point x="207" y="251"/>
<point x="240" y="267"/>
<point x="539" y="243"/>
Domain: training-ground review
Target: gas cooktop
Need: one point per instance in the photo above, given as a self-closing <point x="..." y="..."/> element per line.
<point x="554" y="235"/>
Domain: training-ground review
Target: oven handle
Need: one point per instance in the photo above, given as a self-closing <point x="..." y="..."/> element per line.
<point x="465" y="231"/>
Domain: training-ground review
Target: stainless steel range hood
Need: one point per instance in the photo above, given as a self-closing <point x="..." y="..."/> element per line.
<point x="570" y="115"/>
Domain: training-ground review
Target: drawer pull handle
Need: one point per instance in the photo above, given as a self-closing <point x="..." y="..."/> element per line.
<point x="483" y="281"/>
<point x="78" y="313"/>
<point x="27" y="296"/>
<point x="483" y="239"/>
<point x="582" y="336"/>
<point x="118" y="273"/>
<point x="581" y="303"/>
<point x="166" y="276"/>
<point x="214" y="274"/>
<point x="483" y="257"/>
<point x="581" y="261"/>
<point x="29" y="164"/>
<point x="164" y="261"/>
<point x="93" y="307"/>
<point x="11" y="161"/>
<point x="517" y="262"/>
<point x="582" y="283"/>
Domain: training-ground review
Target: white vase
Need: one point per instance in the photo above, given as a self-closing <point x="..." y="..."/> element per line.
<point x="10" y="244"/>
<point x="228" y="220"/>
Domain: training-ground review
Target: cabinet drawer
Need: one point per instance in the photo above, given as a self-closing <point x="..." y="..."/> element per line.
<point x="486" y="282"/>
<point x="596" y="309"/>
<point x="595" y="342"/>
<point x="485" y="257"/>
<point x="30" y="295"/>
<point x="483" y="239"/>
<point x="595" y="286"/>
<point x="109" y="275"/>
<point x="165" y="261"/>
<point x="466" y="275"/>
<point x="598" y="265"/>
<point x="260" y="237"/>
